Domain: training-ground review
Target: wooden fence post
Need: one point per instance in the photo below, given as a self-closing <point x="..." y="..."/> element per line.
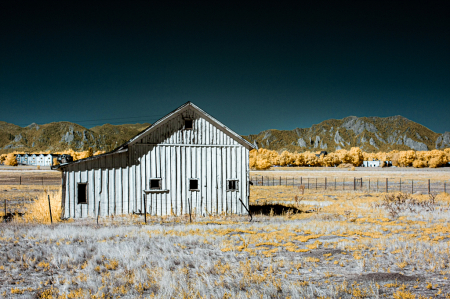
<point x="445" y="187"/>
<point x="316" y="183"/>
<point x="301" y="181"/>
<point x="20" y="180"/>
<point x="5" y="208"/>
<point x="429" y="186"/>
<point x="369" y="185"/>
<point x="361" y="183"/>
<point x="387" y="188"/>
<point x="98" y="210"/>
<point x="280" y="180"/>
<point x="262" y="180"/>
<point x="308" y="183"/>
<point x="325" y="183"/>
<point x="343" y="184"/>
<point x="50" y="209"/>
<point x="190" y="207"/>
<point x="354" y="184"/>
<point x="412" y="186"/>
<point x="335" y="184"/>
<point x="145" y="208"/>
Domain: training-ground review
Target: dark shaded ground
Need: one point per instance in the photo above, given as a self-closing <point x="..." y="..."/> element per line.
<point x="274" y="209"/>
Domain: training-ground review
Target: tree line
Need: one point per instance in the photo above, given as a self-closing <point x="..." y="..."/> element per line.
<point x="264" y="158"/>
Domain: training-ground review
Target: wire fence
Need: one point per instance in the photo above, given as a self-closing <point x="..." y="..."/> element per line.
<point x="355" y="184"/>
<point x="30" y="180"/>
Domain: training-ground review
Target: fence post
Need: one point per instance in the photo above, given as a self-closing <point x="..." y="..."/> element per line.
<point x="377" y="185"/>
<point x="301" y="181"/>
<point x="145" y="208"/>
<point x="50" y="209"/>
<point x="343" y="184"/>
<point x="280" y="180"/>
<point x="335" y="184"/>
<point x="412" y="186"/>
<point x="428" y="186"/>
<point x="316" y="183"/>
<point x="445" y="187"/>
<point x="308" y="183"/>
<point x="5" y="208"/>
<point x="369" y="185"/>
<point x="293" y="181"/>
<point x="20" y="180"/>
<point x="98" y="210"/>
<point x="262" y="180"/>
<point x="273" y="181"/>
<point x="354" y="184"/>
<point x="325" y="183"/>
<point x="387" y="188"/>
<point x="190" y="207"/>
<point x="361" y="184"/>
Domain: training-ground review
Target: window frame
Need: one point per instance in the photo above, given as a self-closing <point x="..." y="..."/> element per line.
<point x="155" y="188"/>
<point x="198" y="184"/>
<point x="192" y="123"/>
<point x="228" y="185"/>
<point x="86" y="193"/>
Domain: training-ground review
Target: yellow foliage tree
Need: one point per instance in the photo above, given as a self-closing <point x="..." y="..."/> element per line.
<point x="11" y="160"/>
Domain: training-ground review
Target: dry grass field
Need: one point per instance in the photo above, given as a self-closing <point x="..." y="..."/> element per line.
<point x="322" y="244"/>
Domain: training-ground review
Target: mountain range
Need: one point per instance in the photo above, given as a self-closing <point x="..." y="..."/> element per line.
<point x="59" y="136"/>
<point x="371" y="134"/>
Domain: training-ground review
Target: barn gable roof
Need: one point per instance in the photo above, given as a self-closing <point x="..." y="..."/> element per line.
<point x="161" y="121"/>
<point x="180" y="109"/>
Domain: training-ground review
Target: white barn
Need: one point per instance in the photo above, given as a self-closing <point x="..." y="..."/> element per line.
<point x="187" y="158"/>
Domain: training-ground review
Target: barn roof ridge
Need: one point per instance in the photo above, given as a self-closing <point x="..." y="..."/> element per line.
<point x="124" y="147"/>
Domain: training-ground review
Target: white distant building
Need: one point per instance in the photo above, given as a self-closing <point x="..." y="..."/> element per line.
<point x="33" y="159"/>
<point x="371" y="163"/>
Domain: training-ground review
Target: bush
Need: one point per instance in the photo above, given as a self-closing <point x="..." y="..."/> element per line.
<point x="11" y="160"/>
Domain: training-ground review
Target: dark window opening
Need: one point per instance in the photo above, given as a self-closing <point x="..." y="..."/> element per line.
<point x="232" y="185"/>
<point x="188" y="124"/>
<point x="82" y="193"/>
<point x="155" y="184"/>
<point x="193" y="185"/>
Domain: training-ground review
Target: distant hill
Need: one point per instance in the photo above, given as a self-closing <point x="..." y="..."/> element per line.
<point x="60" y="136"/>
<point x="371" y="134"/>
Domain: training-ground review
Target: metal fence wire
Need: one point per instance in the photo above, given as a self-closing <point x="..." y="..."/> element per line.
<point x="355" y="184"/>
<point x="30" y="181"/>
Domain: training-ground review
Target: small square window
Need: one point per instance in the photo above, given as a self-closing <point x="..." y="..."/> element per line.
<point x="232" y="185"/>
<point x="188" y="124"/>
<point x="82" y="193"/>
<point x="193" y="185"/>
<point x="155" y="184"/>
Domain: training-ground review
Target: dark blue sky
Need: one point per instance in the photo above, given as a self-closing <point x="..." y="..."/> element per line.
<point x="253" y="66"/>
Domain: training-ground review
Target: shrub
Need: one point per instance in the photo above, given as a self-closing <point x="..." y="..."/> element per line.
<point x="11" y="160"/>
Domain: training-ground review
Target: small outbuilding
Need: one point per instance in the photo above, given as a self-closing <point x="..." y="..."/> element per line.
<point x="186" y="162"/>
<point x="375" y="163"/>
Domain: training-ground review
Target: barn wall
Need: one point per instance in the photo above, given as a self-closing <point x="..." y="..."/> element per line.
<point x="117" y="182"/>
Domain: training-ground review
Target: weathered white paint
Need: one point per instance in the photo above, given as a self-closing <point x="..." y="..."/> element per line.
<point x="117" y="180"/>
